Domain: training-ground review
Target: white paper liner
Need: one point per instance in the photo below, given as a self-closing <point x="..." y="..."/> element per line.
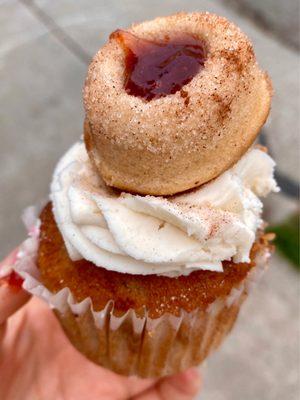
<point x="133" y="345"/>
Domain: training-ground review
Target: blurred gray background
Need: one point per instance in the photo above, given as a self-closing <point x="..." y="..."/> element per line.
<point x="45" y="47"/>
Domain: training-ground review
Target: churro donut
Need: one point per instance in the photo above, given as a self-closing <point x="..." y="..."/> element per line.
<point x="174" y="141"/>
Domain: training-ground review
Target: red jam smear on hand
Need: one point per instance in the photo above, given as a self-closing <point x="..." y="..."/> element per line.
<point x="157" y="69"/>
<point x="14" y="280"/>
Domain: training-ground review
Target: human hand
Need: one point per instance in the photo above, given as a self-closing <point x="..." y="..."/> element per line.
<point x="38" y="362"/>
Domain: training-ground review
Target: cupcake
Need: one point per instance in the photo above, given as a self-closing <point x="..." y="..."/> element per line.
<point x="153" y="235"/>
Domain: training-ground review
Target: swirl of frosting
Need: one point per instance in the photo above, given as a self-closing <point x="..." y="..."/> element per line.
<point x="157" y="235"/>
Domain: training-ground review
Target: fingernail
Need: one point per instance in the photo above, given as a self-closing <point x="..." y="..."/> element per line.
<point x="5" y="270"/>
<point x="6" y="267"/>
<point x="10" y="301"/>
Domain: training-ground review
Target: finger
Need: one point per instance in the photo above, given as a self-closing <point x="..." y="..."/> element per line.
<point x="7" y="264"/>
<point x="11" y="299"/>
<point x="183" y="386"/>
<point x="2" y="333"/>
<point x="12" y="296"/>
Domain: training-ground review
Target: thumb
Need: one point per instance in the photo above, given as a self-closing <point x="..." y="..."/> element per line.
<point x="183" y="386"/>
<point x="12" y="296"/>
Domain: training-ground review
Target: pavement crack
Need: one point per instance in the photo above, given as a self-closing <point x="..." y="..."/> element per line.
<point x="59" y="33"/>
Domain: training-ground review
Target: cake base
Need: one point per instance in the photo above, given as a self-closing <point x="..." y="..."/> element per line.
<point x="120" y="327"/>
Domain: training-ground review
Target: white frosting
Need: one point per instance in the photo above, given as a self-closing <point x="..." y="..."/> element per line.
<point x="169" y="236"/>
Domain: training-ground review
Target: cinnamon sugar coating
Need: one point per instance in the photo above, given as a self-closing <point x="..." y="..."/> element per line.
<point x="177" y="142"/>
<point x="157" y="294"/>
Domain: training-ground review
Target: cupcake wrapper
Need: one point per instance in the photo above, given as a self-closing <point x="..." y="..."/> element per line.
<point x="134" y="345"/>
